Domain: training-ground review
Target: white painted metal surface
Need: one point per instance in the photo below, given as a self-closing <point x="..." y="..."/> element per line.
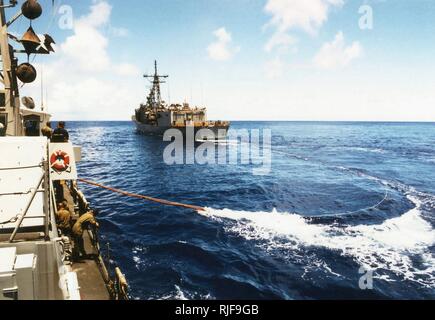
<point x="16" y="185"/>
<point x="62" y="162"/>
<point x="25" y="261"/>
<point x="25" y="267"/>
<point x="7" y="260"/>
<point x="8" y="284"/>
<point x="73" y="286"/>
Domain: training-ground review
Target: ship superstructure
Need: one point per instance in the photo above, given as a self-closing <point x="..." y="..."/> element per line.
<point x="36" y="175"/>
<point x="155" y="116"/>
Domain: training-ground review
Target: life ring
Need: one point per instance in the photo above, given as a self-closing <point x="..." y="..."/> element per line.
<point x="60" y="161"/>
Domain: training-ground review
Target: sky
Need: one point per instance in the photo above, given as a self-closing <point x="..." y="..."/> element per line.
<point x="302" y="60"/>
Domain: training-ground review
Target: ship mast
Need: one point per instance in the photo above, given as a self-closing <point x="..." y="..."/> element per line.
<point x="10" y="109"/>
<point x="11" y="103"/>
<point x="155" y="97"/>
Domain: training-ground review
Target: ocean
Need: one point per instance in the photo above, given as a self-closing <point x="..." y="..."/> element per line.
<point x="347" y="210"/>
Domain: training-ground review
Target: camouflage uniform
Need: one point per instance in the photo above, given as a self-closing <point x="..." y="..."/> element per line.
<point x="63" y="218"/>
<point x="78" y="229"/>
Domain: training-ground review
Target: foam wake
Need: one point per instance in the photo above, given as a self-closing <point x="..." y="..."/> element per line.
<point x="389" y="247"/>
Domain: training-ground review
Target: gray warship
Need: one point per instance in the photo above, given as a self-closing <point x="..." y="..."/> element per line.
<point x="155" y="117"/>
<point x="35" y="175"/>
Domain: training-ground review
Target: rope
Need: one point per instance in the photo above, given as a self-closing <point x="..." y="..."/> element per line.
<point x="357" y="211"/>
<point x="138" y="196"/>
<point x="19" y="193"/>
<point x="12" y="220"/>
<point x="300" y="158"/>
<point x="15" y="193"/>
<point x="21" y="168"/>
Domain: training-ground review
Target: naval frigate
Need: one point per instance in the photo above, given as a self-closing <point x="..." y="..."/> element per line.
<point x="36" y="174"/>
<point x="155" y="116"/>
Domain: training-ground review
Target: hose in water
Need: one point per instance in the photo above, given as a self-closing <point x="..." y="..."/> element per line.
<point x="138" y="196"/>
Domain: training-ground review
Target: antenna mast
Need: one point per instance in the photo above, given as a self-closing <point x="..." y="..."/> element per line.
<point x="155" y="97"/>
<point x="10" y="94"/>
<point x="10" y="112"/>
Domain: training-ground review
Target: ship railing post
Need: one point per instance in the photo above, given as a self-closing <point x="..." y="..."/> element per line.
<point x="54" y="205"/>
<point x="46" y="200"/>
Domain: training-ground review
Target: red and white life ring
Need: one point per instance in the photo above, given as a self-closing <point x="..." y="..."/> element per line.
<point x="60" y="161"/>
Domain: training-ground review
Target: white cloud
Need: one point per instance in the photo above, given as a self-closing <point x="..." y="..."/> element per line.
<point x="99" y="15"/>
<point x="82" y="80"/>
<point x="274" y="68"/>
<point x="127" y="69"/>
<point x="336" y="54"/>
<point x="221" y="49"/>
<point x="308" y="15"/>
<point x="86" y="48"/>
<point x="289" y="15"/>
<point x="327" y="97"/>
<point x="280" y="40"/>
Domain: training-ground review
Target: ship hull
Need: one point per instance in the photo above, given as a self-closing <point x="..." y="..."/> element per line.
<point x="212" y="133"/>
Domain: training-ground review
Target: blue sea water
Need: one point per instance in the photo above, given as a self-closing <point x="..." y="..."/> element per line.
<point x="341" y="198"/>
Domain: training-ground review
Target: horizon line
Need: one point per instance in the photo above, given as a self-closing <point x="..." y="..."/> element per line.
<point x="325" y="121"/>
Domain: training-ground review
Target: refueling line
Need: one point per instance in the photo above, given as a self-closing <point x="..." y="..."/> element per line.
<point x="138" y="196"/>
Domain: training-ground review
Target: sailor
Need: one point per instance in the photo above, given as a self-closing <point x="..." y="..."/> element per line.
<point x="63" y="219"/>
<point x="86" y="220"/>
<point x="65" y="204"/>
<point x="59" y="190"/>
<point x="2" y="129"/>
<point x="47" y="131"/>
<point x="60" y="134"/>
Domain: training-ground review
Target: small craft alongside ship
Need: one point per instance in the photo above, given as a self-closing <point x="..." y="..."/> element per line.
<point x="155" y="117"/>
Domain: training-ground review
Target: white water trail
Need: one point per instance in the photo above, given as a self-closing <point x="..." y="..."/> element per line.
<point x="388" y="247"/>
